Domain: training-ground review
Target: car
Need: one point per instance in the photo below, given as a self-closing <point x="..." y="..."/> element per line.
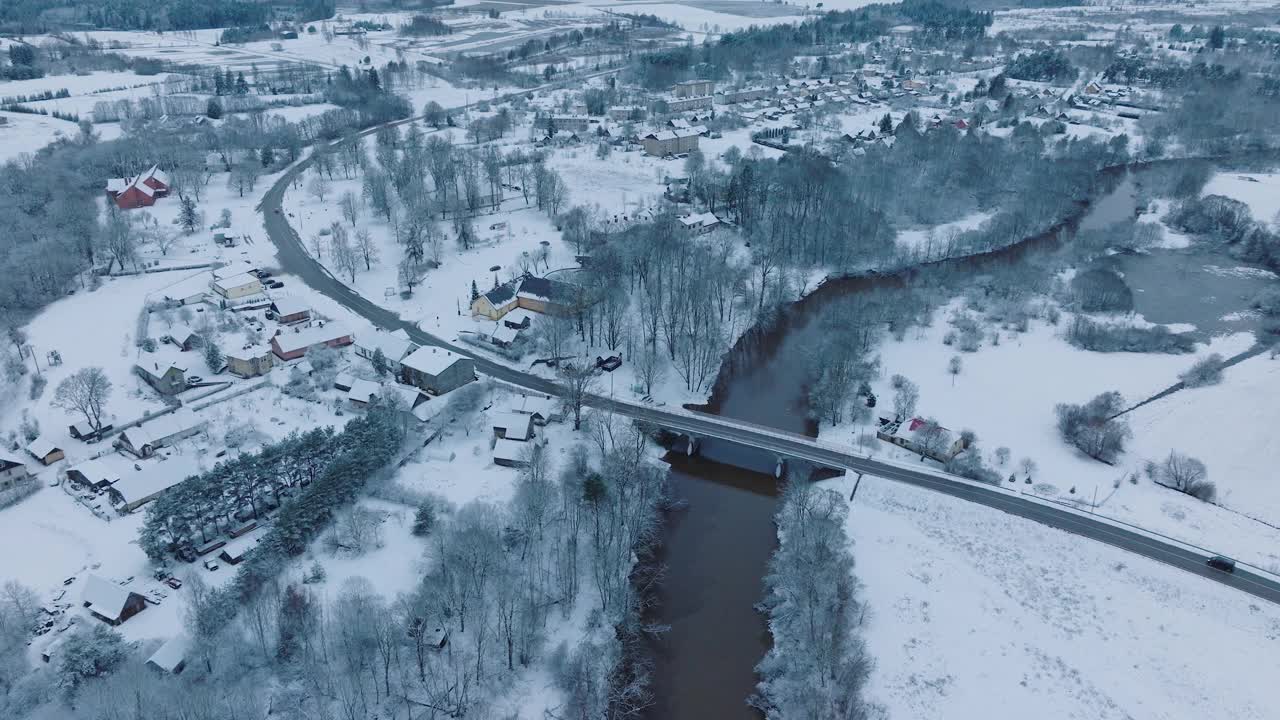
<point x="194" y="380"/>
<point x="275" y="284"/>
<point x="173" y="582"/>
<point x="1221" y="563"/>
<point x="263" y="274"/>
<point x="69" y="580"/>
<point x="609" y="364"/>
<point x="211" y="565"/>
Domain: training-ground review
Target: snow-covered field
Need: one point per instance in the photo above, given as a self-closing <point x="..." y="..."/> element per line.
<point x="976" y="613"/>
<point x="1006" y="394"/>
<point x="1260" y="191"/>
<point x="26" y="133"/>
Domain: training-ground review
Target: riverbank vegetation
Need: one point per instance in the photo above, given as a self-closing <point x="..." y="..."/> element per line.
<point x="819" y="666"/>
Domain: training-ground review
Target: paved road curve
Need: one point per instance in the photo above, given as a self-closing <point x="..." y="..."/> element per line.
<point x="295" y="260"/>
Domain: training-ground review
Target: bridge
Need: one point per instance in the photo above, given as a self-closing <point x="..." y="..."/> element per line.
<point x="295" y="260"/>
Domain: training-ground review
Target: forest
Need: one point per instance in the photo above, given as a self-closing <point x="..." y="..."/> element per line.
<point x="34" y="16"/>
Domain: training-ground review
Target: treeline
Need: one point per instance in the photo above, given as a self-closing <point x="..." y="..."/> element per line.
<point x="819" y="666"/>
<point x="760" y="47"/>
<point x="1230" y="222"/>
<point x="33" y="16"/>
<point x="1042" y="66"/>
<point x="425" y="26"/>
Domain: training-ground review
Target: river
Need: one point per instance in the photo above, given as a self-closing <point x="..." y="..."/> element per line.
<point x="717" y="546"/>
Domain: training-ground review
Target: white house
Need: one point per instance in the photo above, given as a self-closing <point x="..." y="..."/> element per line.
<point x="395" y="346"/>
<point x="512" y="426"/>
<point x="110" y="602"/>
<point x="163" y="431"/>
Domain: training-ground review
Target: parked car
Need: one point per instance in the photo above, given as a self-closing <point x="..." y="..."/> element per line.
<point x="609" y="364"/>
<point x="275" y="284"/>
<point x="211" y="565"/>
<point x="194" y="380"/>
<point x="1219" y="562"/>
<point x="173" y="582"/>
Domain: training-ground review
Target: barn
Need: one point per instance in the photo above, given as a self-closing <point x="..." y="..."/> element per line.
<point x="110" y="602"/>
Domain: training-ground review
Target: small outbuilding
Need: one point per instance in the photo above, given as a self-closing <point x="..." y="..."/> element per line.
<point x="171" y="657"/>
<point x="45" y="451"/>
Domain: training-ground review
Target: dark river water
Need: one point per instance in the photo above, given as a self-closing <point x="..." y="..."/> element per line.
<point x="717" y="546"/>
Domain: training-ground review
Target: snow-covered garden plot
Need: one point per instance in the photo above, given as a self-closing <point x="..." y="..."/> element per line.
<point x="1007" y="393"/>
<point x="970" y="604"/>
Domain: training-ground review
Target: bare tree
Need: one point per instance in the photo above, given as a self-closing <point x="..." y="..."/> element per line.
<point x="953" y="367"/>
<point x="1188" y="475"/>
<point x="367" y="248"/>
<point x="85" y="391"/>
<point x="350" y="205"/>
<point x="318" y="186"/>
<point x="578" y="382"/>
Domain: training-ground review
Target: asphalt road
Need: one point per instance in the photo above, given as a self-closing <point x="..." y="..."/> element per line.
<point x="295" y="261"/>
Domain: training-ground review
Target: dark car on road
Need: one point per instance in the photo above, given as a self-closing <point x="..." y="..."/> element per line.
<point x="1225" y="564"/>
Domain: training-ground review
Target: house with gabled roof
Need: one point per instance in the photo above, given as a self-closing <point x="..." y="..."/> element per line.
<point x="436" y="370"/>
<point x="110" y="602"/>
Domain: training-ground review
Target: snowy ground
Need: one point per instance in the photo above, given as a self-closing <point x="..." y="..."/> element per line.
<point x="970" y="604"/>
<point x="1260" y="191"/>
<point x="1007" y="393"/>
<point x="24" y="133"/>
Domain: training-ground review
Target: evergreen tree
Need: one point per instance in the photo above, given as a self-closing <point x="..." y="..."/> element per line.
<point x="475" y="291"/>
<point x="379" y="361"/>
<point x="268" y="156"/>
<point x="212" y="356"/>
<point x="1217" y="37"/>
<point x="425" y="519"/>
<point x="886" y="124"/>
<point x="242" y="87"/>
<point x="188" y="216"/>
<point x="213" y="110"/>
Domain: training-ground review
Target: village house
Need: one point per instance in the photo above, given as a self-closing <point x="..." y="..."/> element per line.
<point x="249" y="361"/>
<point x="436" y="370"/>
<point x="12" y="471"/>
<point x="140" y="191"/>
<point x="289" y="310"/>
<point x="700" y="223"/>
<point x="730" y="97"/>
<point x="542" y="408"/>
<point x="923" y="437"/>
<point x="45" y="451"/>
<point x="110" y="602"/>
<point x="293" y="345"/>
<point x="670" y="142"/>
<point x="234" y="287"/>
<point x="503" y="336"/>
<point x="167" y="375"/>
<point x="82" y="430"/>
<point x="532" y="293"/>
<point x="163" y="431"/>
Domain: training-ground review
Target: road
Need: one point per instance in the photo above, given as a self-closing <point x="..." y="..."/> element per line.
<point x="295" y="260"/>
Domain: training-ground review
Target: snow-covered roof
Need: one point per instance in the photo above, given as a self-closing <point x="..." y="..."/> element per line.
<point x="171" y="654"/>
<point x="248" y="352"/>
<point x="343" y="380"/>
<point x="99" y="470"/>
<point x="363" y="391"/>
<point x="394" y="345"/>
<point x="289" y="305"/>
<point x="510" y="450"/>
<point x="181" y="333"/>
<point x="155" y="476"/>
<point x="519" y="316"/>
<point x="533" y="405"/>
<point x="8" y="460"/>
<point x="156" y="431"/>
<point x="699" y="220"/>
<point x="308" y="337"/>
<point x="517" y="426"/>
<point x="105" y="598"/>
<point x="431" y="360"/>
<point x="41" y="447"/>
<point x="236" y="281"/>
<point x="117" y="185"/>
<point x="504" y="334"/>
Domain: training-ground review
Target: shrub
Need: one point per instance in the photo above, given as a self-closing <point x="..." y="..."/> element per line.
<point x="1101" y="290"/>
<point x="1206" y="371"/>
<point x="1100" y="337"/>
<point x="1093" y="428"/>
<point x="1186" y="475"/>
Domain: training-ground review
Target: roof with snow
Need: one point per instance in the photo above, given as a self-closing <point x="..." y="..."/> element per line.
<point x="289" y="305"/>
<point x="105" y="598"/>
<point x="236" y="281"/>
<point x="510" y="450"/>
<point x="155" y="432"/>
<point x="517" y="426"/>
<point x="363" y="391"/>
<point x="431" y="360"/>
<point x="8" y="461"/>
<point x="532" y="286"/>
<point x="394" y="345"/>
<point x="309" y="337"/>
<point x="155" y="476"/>
<point x="98" y="471"/>
<point x="171" y="654"/>
<point x="504" y="334"/>
<point x="41" y="447"/>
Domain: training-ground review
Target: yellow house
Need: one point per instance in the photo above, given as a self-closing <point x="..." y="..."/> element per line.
<point x="496" y="303"/>
<point x="237" y="286"/>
